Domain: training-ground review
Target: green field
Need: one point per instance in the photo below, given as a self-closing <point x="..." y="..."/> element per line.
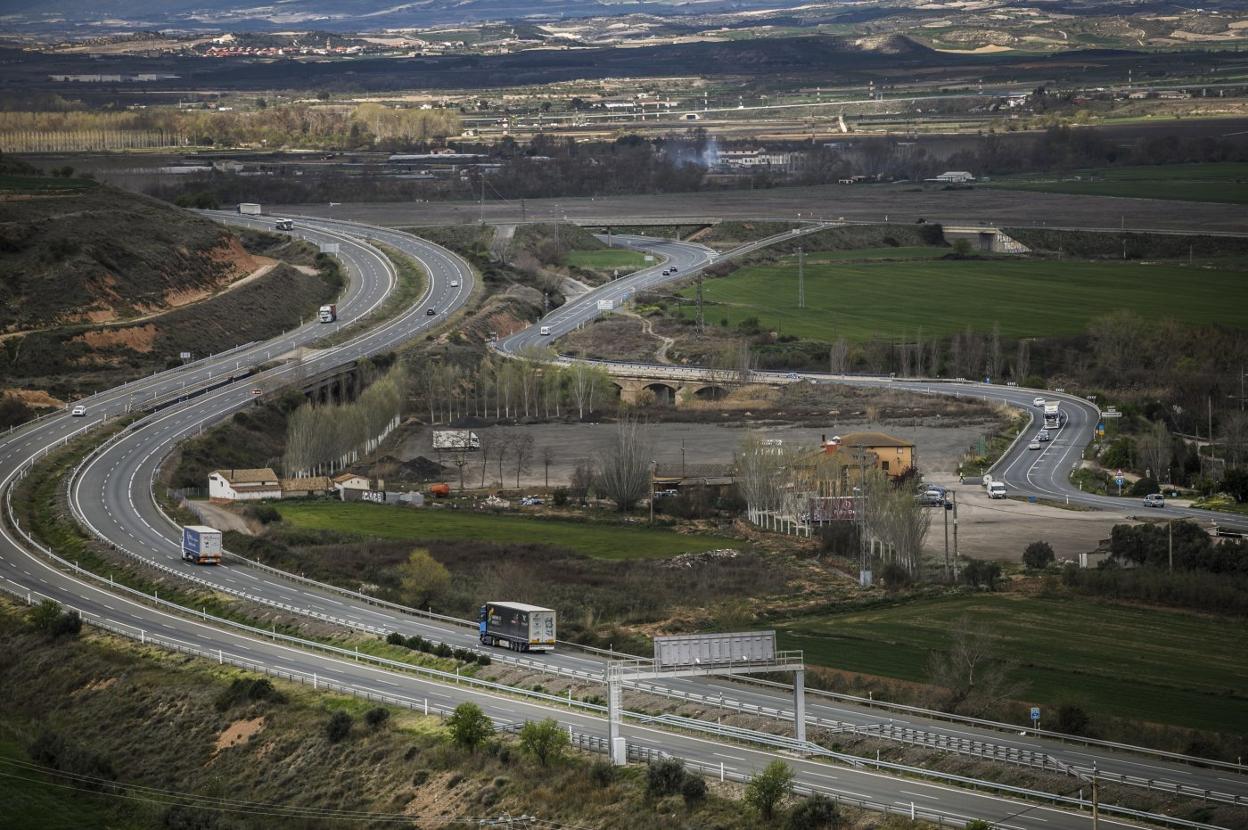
<point x="42" y="184"/>
<point x="607" y="258"/>
<point x="600" y="541"/>
<point x="1212" y="182"/>
<point x="1141" y="663"/>
<point x="1029" y="298"/>
<point x="34" y="799"/>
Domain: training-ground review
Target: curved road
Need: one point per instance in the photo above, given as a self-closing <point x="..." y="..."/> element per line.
<point x="125" y="514"/>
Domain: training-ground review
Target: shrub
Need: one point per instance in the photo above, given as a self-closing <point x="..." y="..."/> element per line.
<point x="248" y="690"/>
<point x="1038" y="555"/>
<point x="443" y="650"/>
<point x="560" y="497"/>
<point x="693" y="790"/>
<point x="469" y="725"/>
<point x="602" y="773"/>
<point x="815" y="813"/>
<point x="376" y="717"/>
<point x="1073" y="720"/>
<point x="483" y="660"/>
<point x="264" y="513"/>
<point x="767" y="789"/>
<point x="67" y="624"/>
<point x="895" y="576"/>
<point x="978" y="573"/>
<point x="664" y="777"/>
<point x="394" y="638"/>
<point x="338" y="726"/>
<point x="544" y="740"/>
<point x="1144" y="487"/>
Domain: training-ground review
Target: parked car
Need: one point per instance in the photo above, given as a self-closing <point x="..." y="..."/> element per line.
<point x="932" y="496"/>
<point x="1034" y="445"/>
<point x="531" y="501"/>
<point x="1154" y="500"/>
<point x="669" y="493"/>
<point x="1038" y="402"/>
<point x="78" y="411"/>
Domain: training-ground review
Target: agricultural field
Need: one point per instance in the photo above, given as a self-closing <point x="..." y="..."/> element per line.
<point x="1211" y="182"/>
<point x="1149" y="664"/>
<point x="607" y="258"/>
<point x="599" y="541"/>
<point x="1029" y="298"/>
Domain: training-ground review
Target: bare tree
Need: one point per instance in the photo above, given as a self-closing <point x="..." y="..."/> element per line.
<point x="919" y="354"/>
<point x="522" y="453"/>
<point x="972" y="671"/>
<point x="582" y="479"/>
<point x="996" y="361"/>
<point x="502" y="447"/>
<point x="488" y="443"/>
<point x="1155" y="450"/>
<point x="1022" y="361"/>
<point x="586" y="382"/>
<point x="548" y="458"/>
<point x="1233" y="434"/>
<point x="760" y="465"/>
<point x="624" y="465"/>
<point x="838" y="357"/>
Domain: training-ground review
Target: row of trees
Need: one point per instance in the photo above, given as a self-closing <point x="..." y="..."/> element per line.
<point x="321" y="439"/>
<point x="533" y="385"/>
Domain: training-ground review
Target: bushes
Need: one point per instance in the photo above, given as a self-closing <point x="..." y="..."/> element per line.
<point x="1038" y="555"/>
<point x="815" y="813"/>
<point x="469" y="726"/>
<point x="544" y="740"/>
<point x="665" y="777"/>
<point x="693" y="791"/>
<point x="48" y="618"/>
<point x="767" y="789"/>
<point x="1144" y="487"/>
<point x="338" y="726"/>
<point x="417" y="643"/>
<point x="980" y="574"/>
<point x="52" y="750"/>
<point x="895" y="576"/>
<point x="264" y="513"/>
<point x="376" y="717"/>
<point x="248" y="690"/>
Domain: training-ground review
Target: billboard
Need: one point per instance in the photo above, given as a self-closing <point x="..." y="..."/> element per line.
<point x="823" y="509"/>
<point x="713" y="649"/>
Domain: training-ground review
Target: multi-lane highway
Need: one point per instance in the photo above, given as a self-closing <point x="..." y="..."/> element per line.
<point x="112" y="494"/>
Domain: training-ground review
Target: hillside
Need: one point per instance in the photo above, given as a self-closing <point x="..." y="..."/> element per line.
<point x="97" y="255"/>
<point x="98" y="286"/>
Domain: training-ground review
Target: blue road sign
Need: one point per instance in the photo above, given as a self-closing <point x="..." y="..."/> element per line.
<point x="1035" y="713"/>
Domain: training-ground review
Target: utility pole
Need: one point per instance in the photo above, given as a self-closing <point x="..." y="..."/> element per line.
<point x="481" y="209"/>
<point x="654" y="465"/>
<point x="701" y="320"/>
<point x="801" y="278"/>
<point x="956" y="556"/>
<point x="944" y="508"/>
<point x="1096" y="800"/>
<point x="1170" y="542"/>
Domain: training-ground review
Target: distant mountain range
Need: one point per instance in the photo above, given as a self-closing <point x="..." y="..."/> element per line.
<point x="111" y="16"/>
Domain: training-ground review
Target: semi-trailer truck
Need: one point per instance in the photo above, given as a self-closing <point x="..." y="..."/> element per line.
<point x="328" y="313"/>
<point x="284" y="225"/>
<point x="201" y="544"/>
<point x="1052" y="415"/>
<point x="249" y="209"/>
<point x="517" y="626"/>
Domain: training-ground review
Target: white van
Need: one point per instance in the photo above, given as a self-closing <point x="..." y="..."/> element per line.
<point x="545" y="331"/>
<point x="996" y="490"/>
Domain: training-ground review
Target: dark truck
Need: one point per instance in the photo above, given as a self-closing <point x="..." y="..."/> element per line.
<point x="517" y="626"/>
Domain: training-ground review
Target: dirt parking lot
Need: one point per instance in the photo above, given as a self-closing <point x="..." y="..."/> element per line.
<point x="1002" y="528"/>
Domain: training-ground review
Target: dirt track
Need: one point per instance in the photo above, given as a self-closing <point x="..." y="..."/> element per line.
<point x="872" y="203"/>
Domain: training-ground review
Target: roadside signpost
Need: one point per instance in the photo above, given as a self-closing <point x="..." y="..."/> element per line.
<point x="1035" y="717"/>
<point x="1120" y="480"/>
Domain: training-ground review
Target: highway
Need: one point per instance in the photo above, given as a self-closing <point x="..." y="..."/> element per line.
<point x="113" y="496"/>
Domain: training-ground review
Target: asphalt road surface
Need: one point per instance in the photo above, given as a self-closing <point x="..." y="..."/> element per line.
<point x="113" y="495"/>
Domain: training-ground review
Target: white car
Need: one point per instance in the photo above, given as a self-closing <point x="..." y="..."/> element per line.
<point x="78" y="411"/>
<point x="1034" y="445"/>
<point x="1038" y="402"/>
<point x="454" y="283"/>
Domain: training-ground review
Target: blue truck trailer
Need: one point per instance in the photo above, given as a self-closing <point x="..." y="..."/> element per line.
<point x="517" y="626"/>
<point x="201" y="544"/>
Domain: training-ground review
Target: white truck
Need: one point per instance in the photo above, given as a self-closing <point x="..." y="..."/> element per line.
<point x="1052" y="415"/>
<point x="284" y="225"/>
<point x="455" y="440"/>
<point x="201" y="544"/>
<point x="996" y="489"/>
<point x="249" y="209"/>
<point x="327" y="313"/>
<point x="517" y="626"/>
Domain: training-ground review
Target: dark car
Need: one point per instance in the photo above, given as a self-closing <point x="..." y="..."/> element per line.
<point x="429" y="312"/>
